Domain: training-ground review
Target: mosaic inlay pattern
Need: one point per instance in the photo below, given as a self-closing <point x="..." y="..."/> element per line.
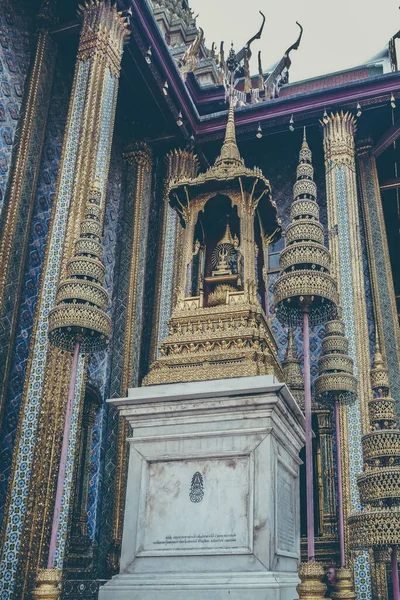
<point x="42" y="198"/>
<point x="15" y="42"/>
<point x="361" y="564"/>
<point x="103" y="500"/>
<point x="101" y="364"/>
<point x="143" y="236"/>
<point x="167" y="275"/>
<point x="101" y="171"/>
<point x="372" y="201"/>
<point x="69" y="469"/>
<point x="39" y="349"/>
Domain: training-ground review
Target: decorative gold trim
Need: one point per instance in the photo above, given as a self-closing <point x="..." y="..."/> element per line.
<point x="363" y="155"/>
<point x="44" y="46"/>
<point x="138" y="156"/>
<point x="103" y="34"/>
<point x="37" y="518"/>
<point x="35" y="324"/>
<point x="339" y="151"/>
<point x="311" y="586"/>
<point x="21" y="157"/>
<point x="48" y="585"/>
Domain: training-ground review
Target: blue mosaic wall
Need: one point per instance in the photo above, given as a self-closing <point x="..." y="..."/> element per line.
<point x="362" y="579"/>
<point x="116" y="351"/>
<point x="153" y="250"/>
<point x="16" y="27"/>
<point x="100" y="364"/>
<point x="389" y="325"/>
<point x="34" y="385"/>
<point x="367" y="285"/>
<point x="33" y="268"/>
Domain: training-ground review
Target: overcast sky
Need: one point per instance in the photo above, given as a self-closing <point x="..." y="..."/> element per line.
<point x="337" y="35"/>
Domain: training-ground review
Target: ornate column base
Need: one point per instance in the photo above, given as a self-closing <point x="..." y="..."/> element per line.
<point x="311" y="586"/>
<point x="113" y="556"/>
<point x="48" y="585"/>
<point x="344" y="586"/>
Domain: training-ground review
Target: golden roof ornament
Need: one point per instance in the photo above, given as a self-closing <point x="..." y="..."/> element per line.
<point x="305" y="262"/>
<point x="230" y="156"/>
<point x="218" y="327"/>
<point x="377" y="524"/>
<point x="229" y="165"/>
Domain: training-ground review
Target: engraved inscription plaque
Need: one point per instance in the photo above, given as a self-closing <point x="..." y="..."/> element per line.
<point x="286" y="517"/>
<point x="197" y="506"/>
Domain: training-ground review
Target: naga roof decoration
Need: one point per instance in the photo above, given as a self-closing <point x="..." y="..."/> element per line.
<point x="229" y="165"/>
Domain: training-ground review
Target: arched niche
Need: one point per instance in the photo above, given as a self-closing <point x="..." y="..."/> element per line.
<point x="217" y="214"/>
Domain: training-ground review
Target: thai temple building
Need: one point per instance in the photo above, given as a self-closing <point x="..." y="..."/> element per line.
<point x="199" y="312"/>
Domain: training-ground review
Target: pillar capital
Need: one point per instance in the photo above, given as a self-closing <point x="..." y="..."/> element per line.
<point x="181" y="163"/>
<point x="339" y="130"/>
<point x="104" y="32"/>
<point x="364" y="146"/>
<point x="140" y="154"/>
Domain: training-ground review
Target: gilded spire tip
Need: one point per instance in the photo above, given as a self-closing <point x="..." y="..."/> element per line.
<point x="379" y="362"/>
<point x="230" y="151"/>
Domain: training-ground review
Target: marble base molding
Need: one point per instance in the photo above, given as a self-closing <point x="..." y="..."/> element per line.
<point x="212" y="503"/>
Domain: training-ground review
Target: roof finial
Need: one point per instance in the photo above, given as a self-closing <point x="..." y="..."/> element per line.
<point x="305" y="152"/>
<point x="379" y="373"/>
<point x="379" y="363"/>
<point x="229" y="151"/>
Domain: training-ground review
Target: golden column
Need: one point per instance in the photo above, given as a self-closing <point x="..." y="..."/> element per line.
<point x="377" y="524"/>
<point x="19" y="200"/>
<point x="80" y="193"/>
<point x="139" y="162"/>
<point x="337" y="385"/>
<point x="345" y="246"/>
<point x="384" y="301"/>
<point x="179" y="163"/>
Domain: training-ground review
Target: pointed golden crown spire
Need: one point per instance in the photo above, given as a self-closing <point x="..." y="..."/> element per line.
<point x="227" y="237"/>
<point x="378" y="373"/>
<point x="305" y="154"/>
<point x="230" y="154"/>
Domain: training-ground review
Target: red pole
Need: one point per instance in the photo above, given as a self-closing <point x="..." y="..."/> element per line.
<point x="339" y="478"/>
<point x="309" y="454"/>
<point x="395" y="574"/>
<point x="63" y="458"/>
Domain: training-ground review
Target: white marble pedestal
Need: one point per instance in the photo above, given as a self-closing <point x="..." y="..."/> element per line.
<point x="212" y="506"/>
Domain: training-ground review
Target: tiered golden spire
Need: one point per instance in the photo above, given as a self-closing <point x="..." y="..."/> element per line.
<point x="220" y="330"/>
<point x="304" y="278"/>
<point x="81" y="299"/>
<point x="377" y="525"/>
<point x="336" y="379"/>
<point x="230" y="156"/>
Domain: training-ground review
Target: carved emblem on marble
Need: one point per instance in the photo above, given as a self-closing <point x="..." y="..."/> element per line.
<point x="196" y="493"/>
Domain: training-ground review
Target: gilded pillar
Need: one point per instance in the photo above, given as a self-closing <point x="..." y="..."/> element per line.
<point x="345" y="246"/>
<point x="80" y="545"/>
<point x="19" y="200"/>
<point x="329" y="513"/>
<point x="379" y="263"/>
<point x="139" y="161"/>
<point x="179" y="163"/>
<point x="84" y="166"/>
